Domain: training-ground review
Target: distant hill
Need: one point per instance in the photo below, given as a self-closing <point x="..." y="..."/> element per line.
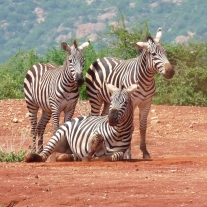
<point x="39" y="24"/>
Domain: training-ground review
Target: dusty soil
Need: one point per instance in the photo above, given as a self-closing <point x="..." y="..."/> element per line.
<point x="176" y="175"/>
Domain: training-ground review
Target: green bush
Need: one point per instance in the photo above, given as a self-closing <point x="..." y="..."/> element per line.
<point x="13" y="72"/>
<point x="54" y="55"/>
<point x="12" y="156"/>
<point x="186" y="88"/>
<point x="90" y="56"/>
<point x="119" y="38"/>
<point x="189" y="61"/>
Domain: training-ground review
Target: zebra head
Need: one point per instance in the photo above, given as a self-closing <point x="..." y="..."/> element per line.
<point x="75" y="60"/>
<point x="156" y="55"/>
<point x="121" y="105"/>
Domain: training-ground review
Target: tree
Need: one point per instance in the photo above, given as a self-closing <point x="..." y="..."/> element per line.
<point x="120" y="38"/>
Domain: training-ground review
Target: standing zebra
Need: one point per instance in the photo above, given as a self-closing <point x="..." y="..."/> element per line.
<point x="101" y="137"/>
<point x="54" y="89"/>
<point x="116" y="71"/>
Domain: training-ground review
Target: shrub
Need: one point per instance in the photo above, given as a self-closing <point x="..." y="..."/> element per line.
<point x="12" y="156"/>
<point x="13" y="72"/>
<point x="185" y="89"/>
<point x="189" y="60"/>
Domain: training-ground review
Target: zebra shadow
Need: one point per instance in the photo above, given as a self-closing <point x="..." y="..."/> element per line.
<point x="137" y="160"/>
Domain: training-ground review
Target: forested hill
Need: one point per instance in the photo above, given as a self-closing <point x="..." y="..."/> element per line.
<point x="40" y="24"/>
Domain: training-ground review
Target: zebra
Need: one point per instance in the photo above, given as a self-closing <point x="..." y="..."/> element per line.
<point x="116" y="71"/>
<point x="86" y="138"/>
<point x="53" y="89"/>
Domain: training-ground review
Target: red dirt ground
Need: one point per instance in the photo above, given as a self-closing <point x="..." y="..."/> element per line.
<point x="176" y="175"/>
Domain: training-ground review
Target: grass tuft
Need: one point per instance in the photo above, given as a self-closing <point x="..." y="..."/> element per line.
<point x="12" y="156"/>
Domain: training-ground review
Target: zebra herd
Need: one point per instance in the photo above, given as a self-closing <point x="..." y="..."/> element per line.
<point x="120" y="85"/>
<point x="103" y="137"/>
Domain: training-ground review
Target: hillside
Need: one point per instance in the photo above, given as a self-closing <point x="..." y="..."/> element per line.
<point x="42" y="24"/>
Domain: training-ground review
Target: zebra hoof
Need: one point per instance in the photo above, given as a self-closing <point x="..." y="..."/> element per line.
<point x="146" y="156"/>
<point x="87" y="159"/>
<point x="33" y="157"/>
<point x="65" y="158"/>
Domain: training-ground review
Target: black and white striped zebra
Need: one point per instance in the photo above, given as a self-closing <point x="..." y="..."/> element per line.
<point x="54" y="89"/>
<point x="119" y="72"/>
<point x="89" y="137"/>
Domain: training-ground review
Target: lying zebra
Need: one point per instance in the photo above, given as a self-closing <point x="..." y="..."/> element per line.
<point x="101" y="137"/>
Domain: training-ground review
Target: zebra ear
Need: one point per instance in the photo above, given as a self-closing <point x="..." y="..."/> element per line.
<point x="75" y="43"/>
<point x="158" y="37"/>
<point x="65" y="47"/>
<point x="132" y="88"/>
<point x="140" y="45"/>
<point x="111" y="88"/>
<point x="84" y="45"/>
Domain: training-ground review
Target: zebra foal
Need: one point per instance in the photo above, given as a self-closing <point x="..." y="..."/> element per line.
<point x="53" y="89"/>
<point x="95" y="137"/>
<point x="116" y="71"/>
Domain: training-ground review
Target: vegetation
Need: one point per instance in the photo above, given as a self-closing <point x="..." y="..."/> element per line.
<point x="12" y="156"/>
<point x="189" y="60"/>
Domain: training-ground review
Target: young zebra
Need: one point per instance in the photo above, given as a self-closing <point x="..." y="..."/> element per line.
<point x="115" y="71"/>
<point x="54" y="89"/>
<point x="101" y="137"/>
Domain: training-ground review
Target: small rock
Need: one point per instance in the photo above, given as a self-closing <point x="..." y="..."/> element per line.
<point x="155" y="122"/>
<point x="27" y="115"/>
<point x="154" y="117"/>
<point x="105" y="196"/>
<point x="15" y="120"/>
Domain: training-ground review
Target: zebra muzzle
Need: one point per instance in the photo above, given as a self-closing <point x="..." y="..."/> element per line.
<point x="112" y="117"/>
<point x="169" y="71"/>
<point x="79" y="79"/>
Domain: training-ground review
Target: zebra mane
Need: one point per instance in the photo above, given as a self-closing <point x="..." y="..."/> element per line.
<point x="149" y="37"/>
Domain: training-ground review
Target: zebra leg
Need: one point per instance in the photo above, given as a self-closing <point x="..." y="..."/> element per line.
<point x="33" y="120"/>
<point x="41" y="129"/>
<point x="58" y="143"/>
<point x="56" y="119"/>
<point x="128" y="154"/>
<point x="117" y="156"/>
<point x="94" y="145"/>
<point x="96" y="103"/>
<point x="143" y="114"/>
<point x="105" y="109"/>
<point x="68" y="114"/>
